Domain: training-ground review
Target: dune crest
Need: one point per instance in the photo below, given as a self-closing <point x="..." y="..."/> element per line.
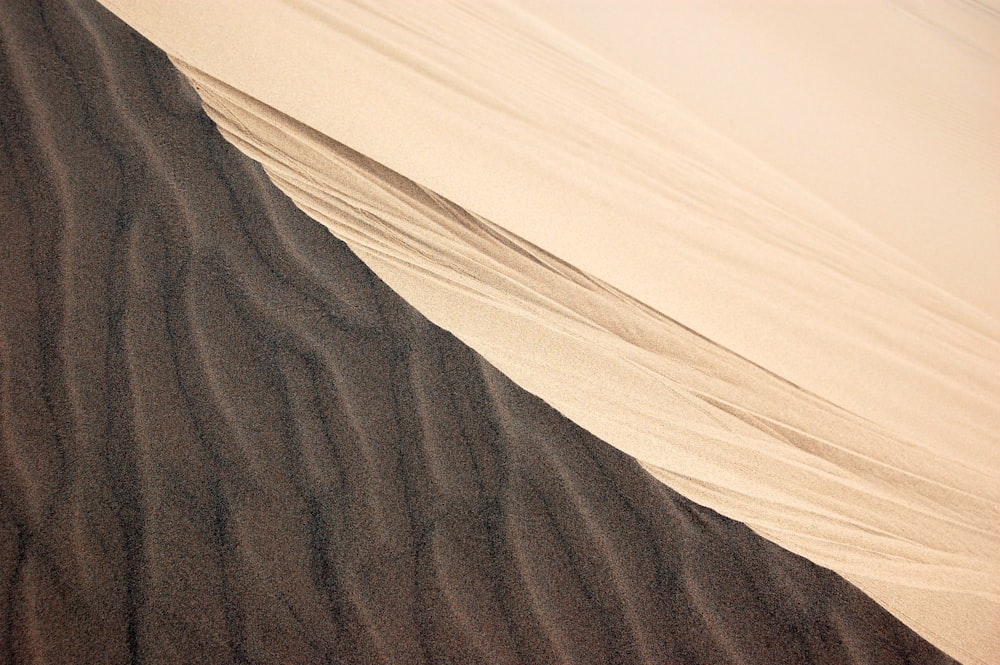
<point x="561" y="148"/>
<point x="224" y="439"/>
<point x="885" y="513"/>
<point x="586" y="235"/>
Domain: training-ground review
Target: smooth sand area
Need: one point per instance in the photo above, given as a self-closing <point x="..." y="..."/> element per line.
<point x="888" y="110"/>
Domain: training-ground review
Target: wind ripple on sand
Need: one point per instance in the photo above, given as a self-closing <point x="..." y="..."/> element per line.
<point x="223" y="439"/>
<point x="914" y="528"/>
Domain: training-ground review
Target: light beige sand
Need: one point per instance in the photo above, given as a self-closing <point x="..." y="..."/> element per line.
<point x="888" y="110"/>
<point x="558" y="150"/>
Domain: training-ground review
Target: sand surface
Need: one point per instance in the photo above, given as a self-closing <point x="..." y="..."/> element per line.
<point x="888" y="110"/>
<point x="757" y="349"/>
<point x="224" y="439"/>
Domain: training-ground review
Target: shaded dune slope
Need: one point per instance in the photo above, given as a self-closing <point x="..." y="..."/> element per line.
<point x="907" y="521"/>
<point x="225" y="440"/>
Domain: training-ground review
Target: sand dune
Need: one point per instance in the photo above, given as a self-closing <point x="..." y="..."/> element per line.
<point x="757" y="350"/>
<point x="915" y="529"/>
<point x="506" y="118"/>
<point x="224" y="439"/>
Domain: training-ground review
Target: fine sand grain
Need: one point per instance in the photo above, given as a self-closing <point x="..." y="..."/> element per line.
<point x="915" y="528"/>
<point x="760" y="351"/>
<point x="224" y="439"/>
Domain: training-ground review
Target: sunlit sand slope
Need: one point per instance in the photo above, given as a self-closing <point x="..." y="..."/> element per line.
<point x="223" y="439"/>
<point x="860" y="431"/>
<point x="914" y="529"/>
<point x="888" y="110"/>
<point x="499" y="114"/>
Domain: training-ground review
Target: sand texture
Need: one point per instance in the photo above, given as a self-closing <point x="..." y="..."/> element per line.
<point x="757" y="349"/>
<point x="914" y="528"/>
<point x="506" y="118"/>
<point x="887" y="110"/>
<point x="224" y="439"/>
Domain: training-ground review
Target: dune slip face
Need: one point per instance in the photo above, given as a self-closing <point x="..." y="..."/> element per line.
<point x="910" y="521"/>
<point x="753" y="345"/>
<point x="913" y="528"/>
<point x="224" y="439"/>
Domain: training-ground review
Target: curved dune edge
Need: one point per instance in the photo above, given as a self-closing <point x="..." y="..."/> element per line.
<point x="915" y="530"/>
<point x="681" y="220"/>
<point x="224" y="439"/>
<point x="508" y="119"/>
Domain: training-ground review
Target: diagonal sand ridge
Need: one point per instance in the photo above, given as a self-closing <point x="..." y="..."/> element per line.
<point x="223" y="439"/>
<point x="575" y="156"/>
<point x="565" y="156"/>
<point x="915" y="530"/>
